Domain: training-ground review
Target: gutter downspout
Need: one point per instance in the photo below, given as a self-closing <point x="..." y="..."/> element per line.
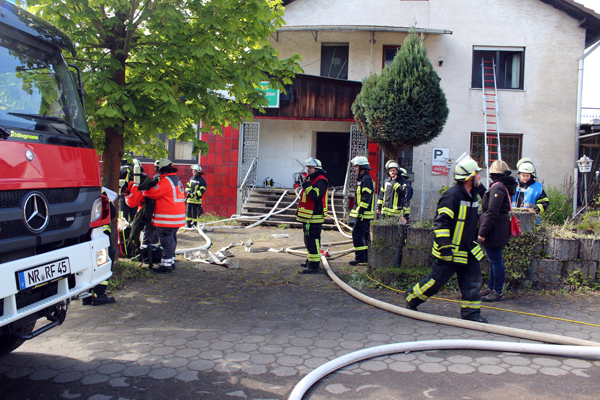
<point x="579" y="101"/>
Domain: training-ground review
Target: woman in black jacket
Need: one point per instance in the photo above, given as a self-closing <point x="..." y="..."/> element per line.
<point x="494" y="226"/>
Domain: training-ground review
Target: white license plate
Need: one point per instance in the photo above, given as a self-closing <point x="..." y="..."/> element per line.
<point x="43" y="273"/>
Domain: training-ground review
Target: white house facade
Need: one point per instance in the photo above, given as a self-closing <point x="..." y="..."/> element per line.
<point x="536" y="46"/>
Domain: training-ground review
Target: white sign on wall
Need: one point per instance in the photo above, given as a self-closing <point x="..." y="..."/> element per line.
<point x="438" y="161"/>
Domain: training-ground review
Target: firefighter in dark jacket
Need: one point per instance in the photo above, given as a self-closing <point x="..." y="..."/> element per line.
<point x="408" y="194"/>
<point x="126" y="175"/>
<point x="455" y="249"/>
<point x="363" y="211"/>
<point x="530" y="193"/>
<point x="392" y="193"/>
<point x="169" y="211"/>
<point x="193" y="197"/>
<point x="312" y="211"/>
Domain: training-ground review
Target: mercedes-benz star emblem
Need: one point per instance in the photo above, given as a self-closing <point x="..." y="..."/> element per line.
<point x="29" y="155"/>
<point x="35" y="212"/>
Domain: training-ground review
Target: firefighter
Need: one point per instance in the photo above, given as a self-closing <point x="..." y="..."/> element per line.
<point x="455" y="249"/>
<point x="312" y="211"/>
<point x="169" y="211"/>
<point x="99" y="297"/>
<point x="125" y="177"/>
<point x="194" y="191"/>
<point x="530" y="193"/>
<point x="363" y="211"/>
<point x="392" y="193"/>
<point x="408" y="194"/>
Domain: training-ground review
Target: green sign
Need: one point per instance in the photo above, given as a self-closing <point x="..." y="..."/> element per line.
<point x="272" y="95"/>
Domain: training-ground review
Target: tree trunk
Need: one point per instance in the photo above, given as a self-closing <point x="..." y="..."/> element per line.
<point x="111" y="165"/>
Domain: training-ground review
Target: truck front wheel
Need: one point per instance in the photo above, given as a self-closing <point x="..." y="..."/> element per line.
<point x="10" y="343"/>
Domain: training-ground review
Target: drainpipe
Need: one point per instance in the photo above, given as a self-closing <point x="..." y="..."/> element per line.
<point x="577" y="127"/>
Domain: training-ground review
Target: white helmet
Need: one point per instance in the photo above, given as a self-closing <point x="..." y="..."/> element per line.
<point x="196" y="168"/>
<point x="362" y="161"/>
<point x="525" y="166"/>
<point x="163" y="162"/>
<point x="465" y="168"/>
<point x="392" y="164"/>
<point x="313" y="162"/>
<point x="403" y="172"/>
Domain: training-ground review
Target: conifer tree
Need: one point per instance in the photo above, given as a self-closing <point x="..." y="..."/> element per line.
<point x="405" y="104"/>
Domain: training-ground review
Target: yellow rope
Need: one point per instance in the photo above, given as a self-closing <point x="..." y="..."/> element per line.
<point x="493" y="308"/>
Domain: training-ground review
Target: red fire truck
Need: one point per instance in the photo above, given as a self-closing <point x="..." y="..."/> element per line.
<point x="52" y="245"/>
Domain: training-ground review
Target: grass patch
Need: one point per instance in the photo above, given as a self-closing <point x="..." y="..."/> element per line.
<point x="126" y="271"/>
<point x="210" y="217"/>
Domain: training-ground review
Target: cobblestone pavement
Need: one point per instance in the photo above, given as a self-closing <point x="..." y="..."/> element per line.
<point x="252" y="332"/>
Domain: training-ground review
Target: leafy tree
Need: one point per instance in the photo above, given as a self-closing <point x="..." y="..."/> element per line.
<point x="404" y="105"/>
<point x="154" y="67"/>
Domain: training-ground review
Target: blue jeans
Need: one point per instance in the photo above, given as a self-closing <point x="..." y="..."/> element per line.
<point x="497" y="271"/>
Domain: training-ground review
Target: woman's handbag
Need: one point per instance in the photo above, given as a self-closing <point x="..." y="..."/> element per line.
<point x="515" y="226"/>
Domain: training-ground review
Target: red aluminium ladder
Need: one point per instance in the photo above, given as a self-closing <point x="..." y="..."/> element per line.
<point x="491" y="135"/>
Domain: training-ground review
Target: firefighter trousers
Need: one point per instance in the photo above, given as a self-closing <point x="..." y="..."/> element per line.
<point x="168" y="241"/>
<point x="469" y="282"/>
<point x="312" y="241"/>
<point x="193" y="213"/>
<point x="361" y="238"/>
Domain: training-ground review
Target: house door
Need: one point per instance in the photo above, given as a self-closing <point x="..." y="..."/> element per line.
<point x="332" y="150"/>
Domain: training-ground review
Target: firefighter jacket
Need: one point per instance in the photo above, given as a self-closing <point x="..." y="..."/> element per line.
<point x="169" y="196"/>
<point x="456" y="226"/>
<point x="313" y="199"/>
<point x="391" y="196"/>
<point x="408" y="194"/>
<point x="195" y="189"/>
<point x="531" y="194"/>
<point x="364" y="203"/>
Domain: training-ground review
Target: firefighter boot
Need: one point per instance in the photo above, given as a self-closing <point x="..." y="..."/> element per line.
<point x="101" y="299"/>
<point x="312" y="267"/>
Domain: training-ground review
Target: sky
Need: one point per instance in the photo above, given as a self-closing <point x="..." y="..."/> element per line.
<point x="591" y="71"/>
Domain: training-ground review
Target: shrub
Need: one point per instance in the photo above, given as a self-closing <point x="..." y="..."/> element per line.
<point x="561" y="205"/>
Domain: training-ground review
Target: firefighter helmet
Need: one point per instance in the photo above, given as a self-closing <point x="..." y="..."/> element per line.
<point x="392" y="164"/>
<point x="163" y="162"/>
<point x="525" y="166"/>
<point x="313" y="162"/>
<point x="403" y="172"/>
<point x="362" y="161"/>
<point x="196" y="168"/>
<point x="465" y="168"/>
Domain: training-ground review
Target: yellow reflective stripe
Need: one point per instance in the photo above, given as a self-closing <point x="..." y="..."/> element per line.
<point x="442" y="232"/>
<point x="470" y="304"/>
<point x="462" y="212"/>
<point x="541" y="208"/>
<point x="366" y="189"/>
<point x="446" y="210"/>
<point x="458" y="231"/>
<point x="390" y="211"/>
<point x="361" y="248"/>
<point x="363" y="205"/>
<point x="477" y="252"/>
<point x="419" y="292"/>
<point x="380" y="201"/>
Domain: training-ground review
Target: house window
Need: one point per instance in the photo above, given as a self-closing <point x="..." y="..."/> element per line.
<point x="509" y="66"/>
<point x="389" y="52"/>
<point x="510" y="147"/>
<point x="179" y="152"/>
<point x="334" y="60"/>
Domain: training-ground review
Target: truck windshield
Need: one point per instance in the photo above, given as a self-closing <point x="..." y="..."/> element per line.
<point x="35" y="80"/>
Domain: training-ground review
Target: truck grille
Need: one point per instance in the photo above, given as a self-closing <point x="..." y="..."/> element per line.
<point x="12" y="198"/>
<point x="17" y="228"/>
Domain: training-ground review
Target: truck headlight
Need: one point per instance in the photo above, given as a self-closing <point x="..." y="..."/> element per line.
<point x="97" y="210"/>
<point x="102" y="257"/>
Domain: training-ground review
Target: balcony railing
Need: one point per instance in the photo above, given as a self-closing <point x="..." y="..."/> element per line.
<point x="590" y="115"/>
